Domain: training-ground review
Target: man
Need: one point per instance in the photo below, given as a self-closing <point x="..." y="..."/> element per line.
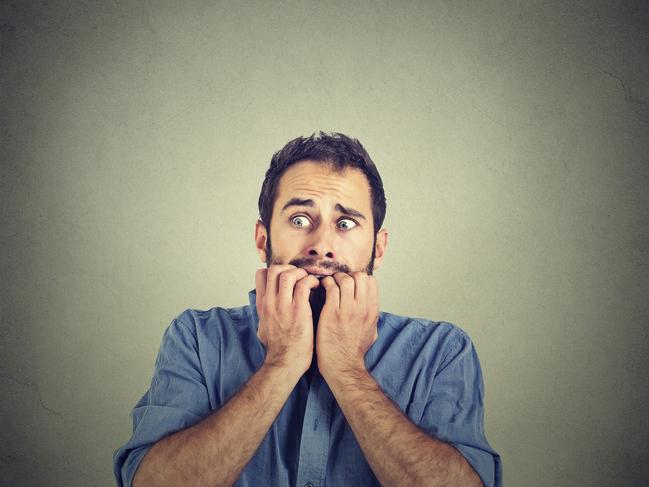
<point x="311" y="385"/>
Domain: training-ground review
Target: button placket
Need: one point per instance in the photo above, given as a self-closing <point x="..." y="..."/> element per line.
<point x="314" y="443"/>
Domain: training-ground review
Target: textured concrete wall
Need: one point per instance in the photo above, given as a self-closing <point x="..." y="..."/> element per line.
<point x="512" y="138"/>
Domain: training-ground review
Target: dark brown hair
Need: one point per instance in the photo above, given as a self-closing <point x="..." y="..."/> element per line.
<point x="332" y="148"/>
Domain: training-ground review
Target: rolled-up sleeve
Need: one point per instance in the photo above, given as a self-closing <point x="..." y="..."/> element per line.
<point x="454" y="411"/>
<point x="177" y="399"/>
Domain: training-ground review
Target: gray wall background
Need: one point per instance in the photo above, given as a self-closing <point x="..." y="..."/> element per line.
<point x="512" y="138"/>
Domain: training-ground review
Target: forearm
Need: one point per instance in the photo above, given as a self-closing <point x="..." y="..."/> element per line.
<point x="215" y="451"/>
<point x="397" y="450"/>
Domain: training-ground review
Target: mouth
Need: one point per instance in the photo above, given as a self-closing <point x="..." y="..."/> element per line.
<point x="318" y="272"/>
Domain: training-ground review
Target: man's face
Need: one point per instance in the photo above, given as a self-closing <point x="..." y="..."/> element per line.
<point x="322" y="221"/>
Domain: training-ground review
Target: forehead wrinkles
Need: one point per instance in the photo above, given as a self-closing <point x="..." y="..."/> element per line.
<point x="318" y="185"/>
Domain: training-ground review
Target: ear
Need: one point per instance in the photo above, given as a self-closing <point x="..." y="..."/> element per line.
<point x="381" y="245"/>
<point x="260" y="240"/>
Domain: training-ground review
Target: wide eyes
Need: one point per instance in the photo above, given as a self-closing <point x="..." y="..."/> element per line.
<point x="302" y="221"/>
<point x="346" y="224"/>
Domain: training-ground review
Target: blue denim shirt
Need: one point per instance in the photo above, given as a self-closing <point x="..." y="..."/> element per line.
<point x="429" y="369"/>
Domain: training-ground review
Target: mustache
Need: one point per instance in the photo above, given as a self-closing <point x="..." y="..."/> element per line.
<point x="325" y="264"/>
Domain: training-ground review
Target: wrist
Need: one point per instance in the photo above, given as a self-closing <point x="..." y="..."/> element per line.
<point x="341" y="374"/>
<point x="283" y="370"/>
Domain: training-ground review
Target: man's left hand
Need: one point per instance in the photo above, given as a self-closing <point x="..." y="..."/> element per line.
<point x="347" y="327"/>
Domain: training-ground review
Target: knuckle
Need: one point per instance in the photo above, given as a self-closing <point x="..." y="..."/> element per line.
<point x="266" y="308"/>
<point x="285" y="278"/>
<point x="298" y="273"/>
<point x="308" y="279"/>
<point x="346" y="281"/>
<point x="302" y="284"/>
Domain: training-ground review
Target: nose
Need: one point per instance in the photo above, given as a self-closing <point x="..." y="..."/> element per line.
<point x="323" y="244"/>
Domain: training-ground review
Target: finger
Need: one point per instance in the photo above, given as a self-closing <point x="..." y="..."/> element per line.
<point x="303" y="288"/>
<point x="287" y="280"/>
<point x="332" y="300"/>
<point x="372" y="294"/>
<point x="346" y="284"/>
<point x="272" y="283"/>
<point x="360" y="286"/>
<point x="260" y="287"/>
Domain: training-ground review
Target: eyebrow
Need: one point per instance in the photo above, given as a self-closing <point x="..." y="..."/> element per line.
<point x="310" y="203"/>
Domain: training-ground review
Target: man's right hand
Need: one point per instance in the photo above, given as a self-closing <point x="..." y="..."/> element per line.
<point x="195" y="455"/>
<point x="285" y="318"/>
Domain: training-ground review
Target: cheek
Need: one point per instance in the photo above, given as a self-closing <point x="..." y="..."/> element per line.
<point x="358" y="247"/>
<point x="286" y="245"/>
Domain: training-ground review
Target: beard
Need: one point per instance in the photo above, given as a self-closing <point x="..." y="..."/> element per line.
<point x="318" y="295"/>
